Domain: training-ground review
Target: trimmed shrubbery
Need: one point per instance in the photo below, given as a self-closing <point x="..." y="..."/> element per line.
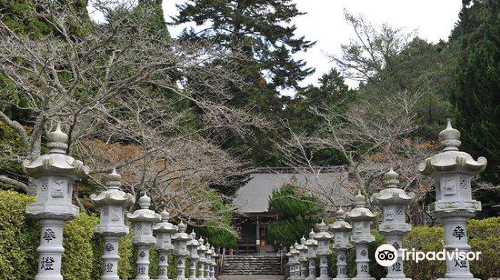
<point x="484" y="237"/>
<point x="19" y="238"/>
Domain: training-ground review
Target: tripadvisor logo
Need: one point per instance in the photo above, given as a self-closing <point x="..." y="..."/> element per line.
<point x="387" y="255"/>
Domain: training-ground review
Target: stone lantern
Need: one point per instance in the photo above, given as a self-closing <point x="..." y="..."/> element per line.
<point x="312" y="246"/>
<point x="452" y="170"/>
<point x="214" y="264"/>
<point x="208" y="261"/>
<point x="361" y="218"/>
<point x="113" y="203"/>
<point x="303" y="258"/>
<point x="143" y="220"/>
<point x="180" y="240"/>
<point x="164" y="231"/>
<point x="341" y="244"/>
<point x="295" y="264"/>
<point x="393" y="202"/>
<point x="323" y="251"/>
<point x="55" y="174"/>
<point x="192" y="246"/>
<point x="202" y="249"/>
<point x="288" y="263"/>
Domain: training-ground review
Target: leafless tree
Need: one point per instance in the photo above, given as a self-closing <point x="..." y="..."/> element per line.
<point x="121" y="86"/>
<point x="372" y="137"/>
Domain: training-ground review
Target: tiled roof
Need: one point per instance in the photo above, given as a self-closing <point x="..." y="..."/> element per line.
<point x="254" y="196"/>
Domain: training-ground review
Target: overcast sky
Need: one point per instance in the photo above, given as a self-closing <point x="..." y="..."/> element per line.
<point x="325" y="24"/>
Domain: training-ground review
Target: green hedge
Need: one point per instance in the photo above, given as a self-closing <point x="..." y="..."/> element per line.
<point x="484" y="237"/>
<point x="19" y="238"/>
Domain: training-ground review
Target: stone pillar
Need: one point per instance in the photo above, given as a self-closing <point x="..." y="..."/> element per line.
<point x="164" y="231"/>
<point x="202" y="249"/>
<point x="208" y="261"/>
<point x="393" y="202"/>
<point x="289" y="263"/>
<point x="113" y="203"/>
<point x="180" y="240"/>
<point x="213" y="264"/>
<point x="323" y="251"/>
<point x="143" y="220"/>
<point x="312" y="246"/>
<point x="452" y="170"/>
<point x="341" y="244"/>
<point x="295" y="264"/>
<point x="302" y="248"/>
<point x="192" y="246"/>
<point x="361" y="218"/>
<point x="55" y="174"/>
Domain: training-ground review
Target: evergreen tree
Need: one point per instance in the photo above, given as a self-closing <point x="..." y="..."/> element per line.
<point x="476" y="87"/>
<point x="261" y="31"/>
<point x="259" y="28"/>
<point x="298" y="213"/>
<point x="332" y="93"/>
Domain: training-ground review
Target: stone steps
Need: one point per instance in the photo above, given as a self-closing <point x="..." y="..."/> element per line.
<point x="251" y="265"/>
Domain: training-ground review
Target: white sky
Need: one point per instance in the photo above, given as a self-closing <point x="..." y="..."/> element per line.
<point x="325" y="24"/>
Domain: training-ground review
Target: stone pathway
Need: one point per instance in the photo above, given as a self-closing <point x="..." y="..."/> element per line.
<point x="251" y="277"/>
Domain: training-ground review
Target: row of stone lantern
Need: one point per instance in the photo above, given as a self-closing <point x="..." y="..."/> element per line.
<point x="451" y="170"/>
<point x="54" y="176"/>
<point x="393" y="202"/>
<point x="153" y="230"/>
<point x="55" y="173"/>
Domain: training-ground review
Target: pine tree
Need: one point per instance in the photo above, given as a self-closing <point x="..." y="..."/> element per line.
<point x="259" y="28"/>
<point x="261" y="31"/>
<point x="150" y="13"/>
<point x="476" y="88"/>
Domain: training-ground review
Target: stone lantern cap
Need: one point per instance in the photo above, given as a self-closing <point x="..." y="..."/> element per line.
<point x="340" y="224"/>
<point x="165" y="226"/>
<point x="214" y="255"/>
<point x="181" y="235"/>
<point x="181" y="238"/>
<point x="323" y="234"/>
<point x="193" y="242"/>
<point x="302" y="246"/>
<point x="392" y="195"/>
<point x="295" y="249"/>
<point x="209" y="251"/>
<point x="451" y="159"/>
<point x="202" y="248"/>
<point x="311" y="241"/>
<point x="144" y="214"/>
<point x="293" y="253"/>
<point x="360" y="212"/>
<point x="114" y="195"/>
<point x="312" y="245"/>
<point x="56" y="162"/>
